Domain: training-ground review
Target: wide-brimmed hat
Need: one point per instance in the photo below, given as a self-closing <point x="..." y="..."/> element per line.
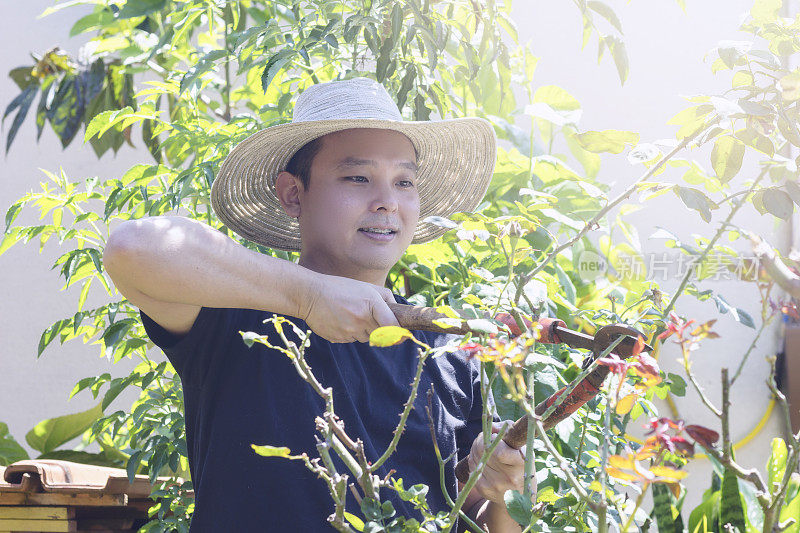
<point x="455" y="160"/>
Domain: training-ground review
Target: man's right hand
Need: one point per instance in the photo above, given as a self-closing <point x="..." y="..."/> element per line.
<point x="341" y="309"/>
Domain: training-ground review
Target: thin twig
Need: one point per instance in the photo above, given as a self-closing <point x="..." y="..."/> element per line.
<point x="591" y="224"/>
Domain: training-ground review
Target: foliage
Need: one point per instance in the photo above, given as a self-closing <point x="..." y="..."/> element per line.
<point x="199" y="76"/>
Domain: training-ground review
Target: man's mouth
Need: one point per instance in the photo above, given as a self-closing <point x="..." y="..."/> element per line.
<point x="378" y="234"/>
<point x="378" y="231"/>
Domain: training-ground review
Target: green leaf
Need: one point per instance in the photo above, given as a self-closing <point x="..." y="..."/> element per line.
<point x="355" y="521"/>
<point x="105" y="120"/>
<point x="23" y="102"/>
<point x="140" y="8"/>
<point x="731" y="51"/>
<point x="765" y="11"/>
<point x="778" y="203"/>
<point x="447" y="323"/>
<point x="791" y="507"/>
<point x="519" y="507"/>
<point x="695" y="199"/>
<point x="10" y="449"/>
<point x="677" y="385"/>
<point x="776" y="465"/>
<point x="22" y="76"/>
<point x="731" y="510"/>
<point x="663" y="508"/>
<point x="792" y="189"/>
<point x="620" y="55"/>
<point x="206" y="63"/>
<point x="388" y="336"/>
<point x="726" y="157"/>
<point x="274" y="65"/>
<point x="50" y="333"/>
<point x="481" y="325"/>
<point x="49" y="434"/>
<point x="739" y="315"/>
<point x="606" y="12"/>
<point x="271" y="451"/>
<point x="613" y="141"/>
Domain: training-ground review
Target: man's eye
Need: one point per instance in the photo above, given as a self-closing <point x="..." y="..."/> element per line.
<point x="407" y="183"/>
<point x="357" y="178"/>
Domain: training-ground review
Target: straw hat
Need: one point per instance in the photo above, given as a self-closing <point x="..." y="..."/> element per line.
<point x="455" y="160"/>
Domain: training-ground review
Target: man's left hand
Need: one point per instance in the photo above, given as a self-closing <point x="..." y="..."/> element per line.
<point x="505" y="469"/>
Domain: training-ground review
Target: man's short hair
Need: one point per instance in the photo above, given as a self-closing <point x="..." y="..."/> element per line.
<point x="300" y="163"/>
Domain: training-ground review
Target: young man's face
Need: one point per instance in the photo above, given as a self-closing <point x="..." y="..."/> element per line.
<point x="362" y="183"/>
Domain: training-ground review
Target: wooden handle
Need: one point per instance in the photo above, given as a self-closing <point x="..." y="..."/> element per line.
<point x="517" y="435"/>
<point x="421" y="318"/>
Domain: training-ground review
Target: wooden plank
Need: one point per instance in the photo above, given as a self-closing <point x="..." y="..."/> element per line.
<point x="41" y="513"/>
<point x="102" y="524"/>
<point x="47" y="526"/>
<point x="60" y="499"/>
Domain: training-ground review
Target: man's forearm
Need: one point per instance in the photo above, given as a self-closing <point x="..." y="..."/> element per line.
<point x="493" y="517"/>
<point x="176" y="259"/>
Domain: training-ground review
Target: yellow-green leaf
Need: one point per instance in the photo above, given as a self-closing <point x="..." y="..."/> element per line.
<point x="726" y="157"/>
<point x="388" y="336"/>
<point x="613" y="141"/>
<point x="447" y="323"/>
<point x="355" y="521"/>
<point x="49" y="434"/>
<point x="271" y="451"/>
<point x="625" y="405"/>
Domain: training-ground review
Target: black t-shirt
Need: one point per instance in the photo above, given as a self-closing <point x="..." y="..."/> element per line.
<point x="236" y="396"/>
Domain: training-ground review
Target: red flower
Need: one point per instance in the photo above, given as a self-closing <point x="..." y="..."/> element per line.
<point x="472" y="349"/>
<point x="675" y="325"/>
<point x="616" y="364"/>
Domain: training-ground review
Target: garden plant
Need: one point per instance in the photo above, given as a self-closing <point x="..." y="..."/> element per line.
<point x="191" y="79"/>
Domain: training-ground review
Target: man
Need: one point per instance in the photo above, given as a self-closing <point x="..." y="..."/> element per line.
<point x="345" y="183"/>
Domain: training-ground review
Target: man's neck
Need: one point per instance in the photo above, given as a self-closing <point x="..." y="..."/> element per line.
<point x="322" y="267"/>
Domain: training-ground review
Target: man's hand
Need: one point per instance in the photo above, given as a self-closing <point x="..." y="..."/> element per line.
<point x="505" y="469"/>
<point x="341" y="309"/>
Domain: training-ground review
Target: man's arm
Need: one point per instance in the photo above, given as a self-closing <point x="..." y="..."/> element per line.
<point x="171" y="266"/>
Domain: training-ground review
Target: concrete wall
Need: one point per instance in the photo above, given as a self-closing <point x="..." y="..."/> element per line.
<point x="667" y="49"/>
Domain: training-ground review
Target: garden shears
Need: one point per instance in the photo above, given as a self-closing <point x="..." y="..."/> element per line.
<point x="553" y="331"/>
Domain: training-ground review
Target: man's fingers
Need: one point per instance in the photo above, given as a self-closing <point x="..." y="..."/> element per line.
<point x="387" y="296"/>
<point x="383" y="316"/>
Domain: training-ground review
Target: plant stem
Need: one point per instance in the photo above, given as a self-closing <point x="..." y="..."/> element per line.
<point x="602" y="521"/>
<point x="723" y="227"/>
<point x="530" y="455"/>
<point x="764" y="324"/>
<point x="409" y="405"/>
<point x="695" y="384"/>
<point x="475" y="475"/>
<point x="227" y="96"/>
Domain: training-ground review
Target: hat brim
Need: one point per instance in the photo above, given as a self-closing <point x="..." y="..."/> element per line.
<point x="456" y="159"/>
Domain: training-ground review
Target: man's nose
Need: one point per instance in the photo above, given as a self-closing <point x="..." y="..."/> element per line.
<point x="385" y="197"/>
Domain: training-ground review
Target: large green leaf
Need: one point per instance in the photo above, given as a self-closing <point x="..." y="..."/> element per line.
<point x="613" y="141"/>
<point x="778" y="203"/>
<point x="22" y="103"/>
<point x="776" y="465"/>
<point x="731" y="510"/>
<point x="10" y="450"/>
<point x="726" y="157"/>
<point x="49" y="434"/>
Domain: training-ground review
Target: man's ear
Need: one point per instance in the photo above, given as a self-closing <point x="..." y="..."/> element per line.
<point x="287" y="189"/>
